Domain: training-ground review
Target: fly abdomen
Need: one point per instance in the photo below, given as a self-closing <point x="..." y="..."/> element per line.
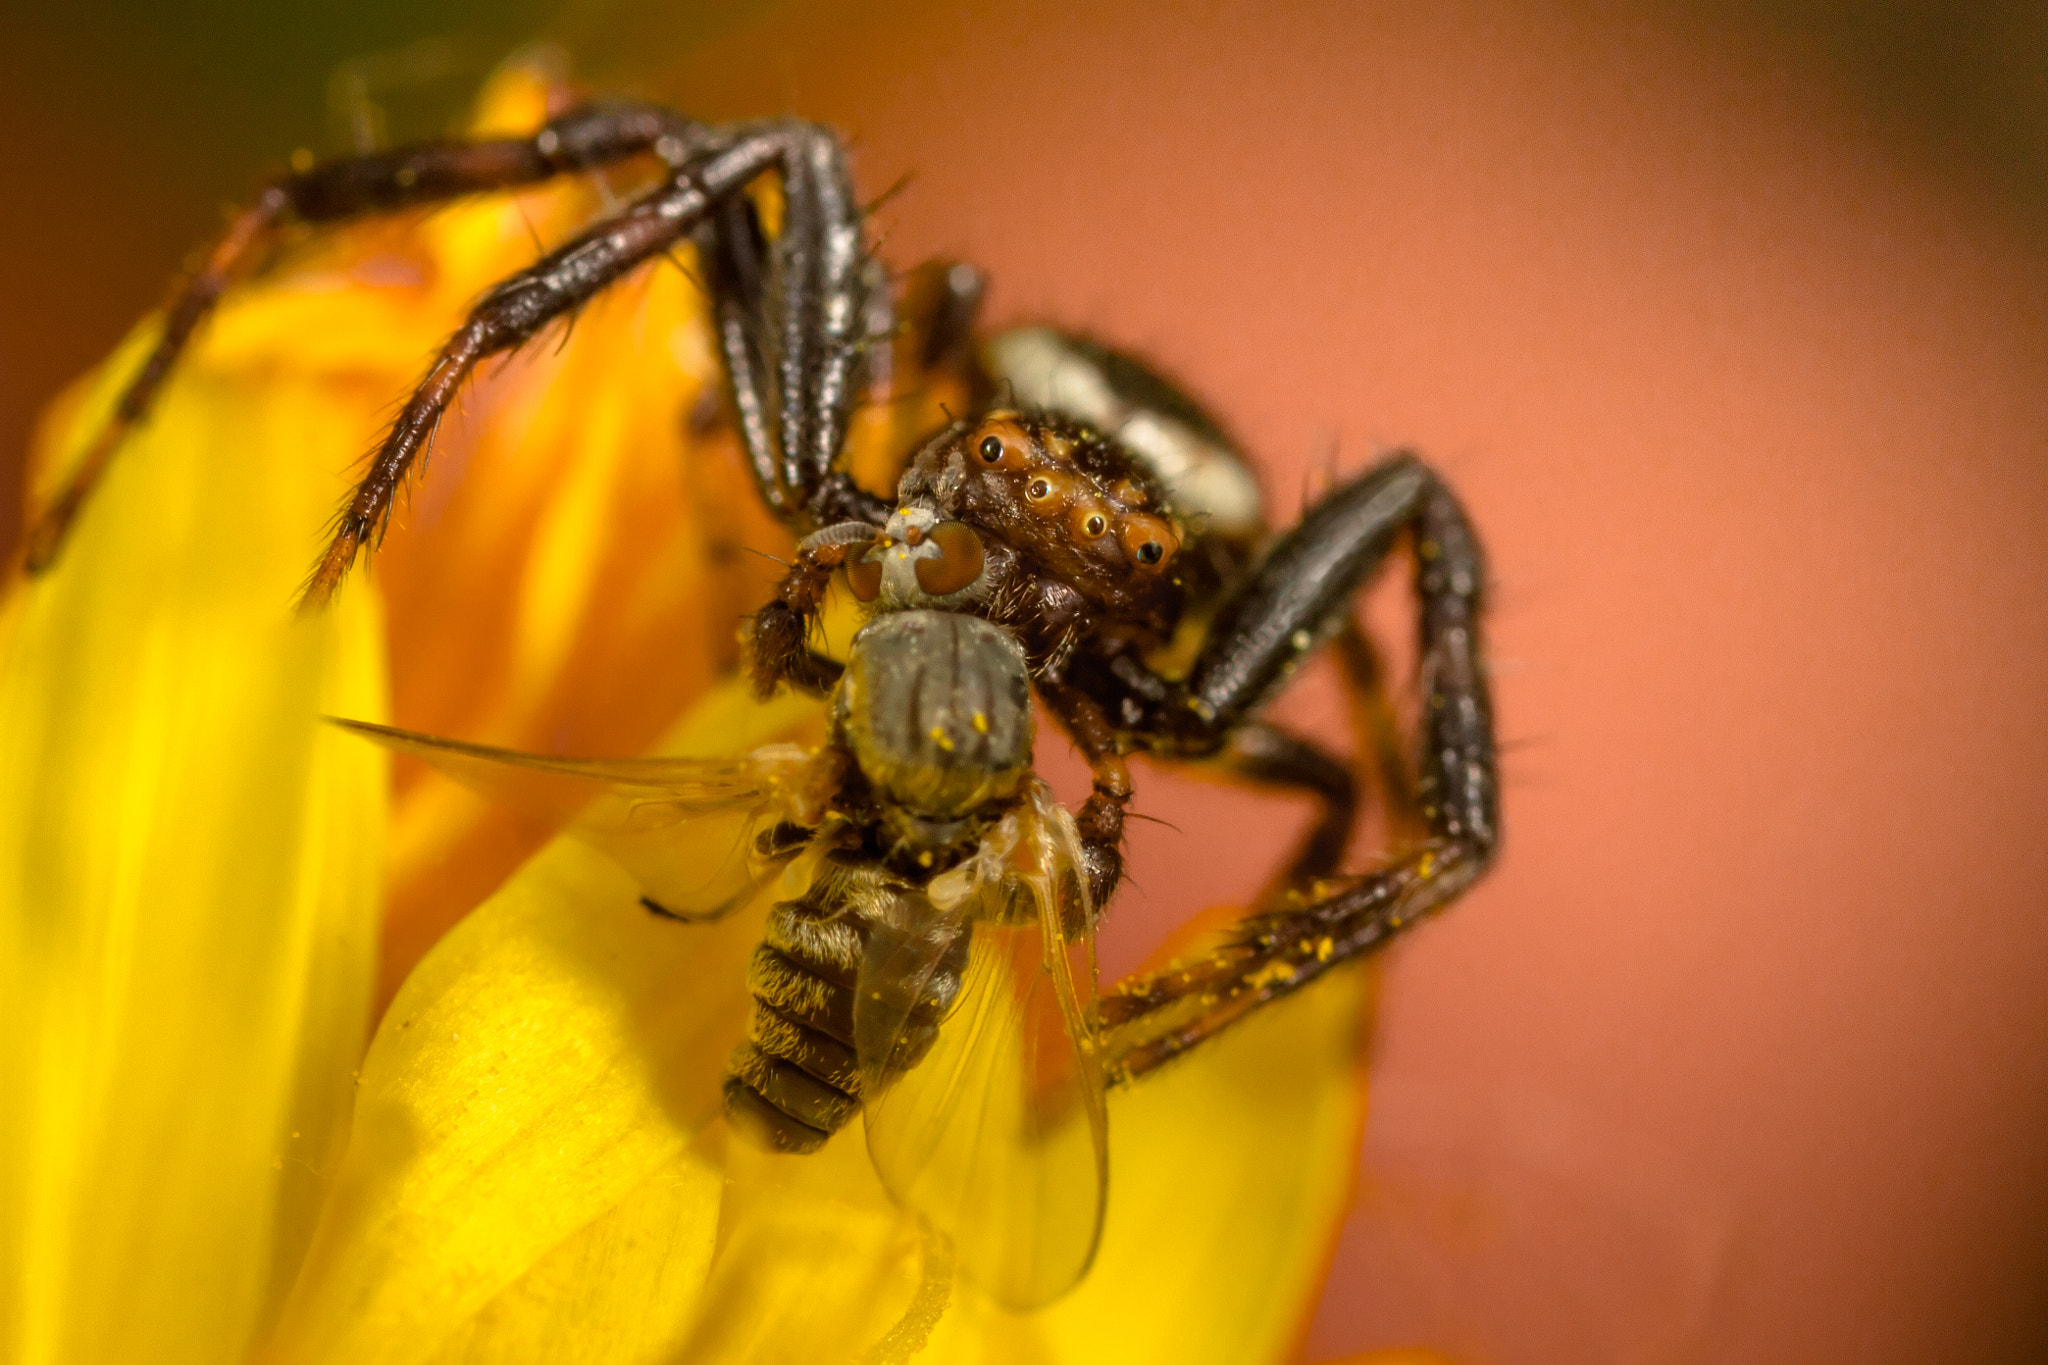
<point x="797" y="1080"/>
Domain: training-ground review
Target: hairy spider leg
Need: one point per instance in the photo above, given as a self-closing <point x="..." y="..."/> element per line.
<point x="1100" y="821"/>
<point x="1262" y="631"/>
<point x="1376" y="730"/>
<point x="1264" y="755"/>
<point x="354" y="187"/>
<point x="796" y="319"/>
<point x="511" y="313"/>
<point x="1260" y="754"/>
<point x="780" y="632"/>
<point x="818" y="390"/>
<point x="943" y="299"/>
<point x="1267" y="756"/>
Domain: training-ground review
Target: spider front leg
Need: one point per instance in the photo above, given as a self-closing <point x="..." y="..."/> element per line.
<point x="779" y="636"/>
<point x="357" y="187"/>
<point x="568" y="277"/>
<point x="1301" y="591"/>
<point x="796" y="318"/>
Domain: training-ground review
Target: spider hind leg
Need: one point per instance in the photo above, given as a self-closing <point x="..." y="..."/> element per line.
<point x="1303" y="585"/>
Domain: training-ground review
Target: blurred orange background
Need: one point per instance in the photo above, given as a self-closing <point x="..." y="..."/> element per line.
<point x="1729" y="326"/>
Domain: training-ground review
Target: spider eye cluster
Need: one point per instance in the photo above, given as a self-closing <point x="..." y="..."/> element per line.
<point x="1053" y="486"/>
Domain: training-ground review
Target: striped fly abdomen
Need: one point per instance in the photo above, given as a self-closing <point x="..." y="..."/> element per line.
<point x="797" y="1079"/>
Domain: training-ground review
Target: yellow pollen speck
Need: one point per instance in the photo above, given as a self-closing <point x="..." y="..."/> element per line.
<point x="1427" y="867"/>
<point x="980" y="723"/>
<point x="1272" y="974"/>
<point x="1324" y="947"/>
<point x="924" y="859"/>
<point x="941" y="738"/>
<point x="302" y="160"/>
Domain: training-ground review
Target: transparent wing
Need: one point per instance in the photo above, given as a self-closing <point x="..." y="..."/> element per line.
<point x="993" y="1129"/>
<point x="697" y="834"/>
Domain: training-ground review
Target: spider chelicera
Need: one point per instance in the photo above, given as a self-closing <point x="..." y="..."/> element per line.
<point x="1086" y="534"/>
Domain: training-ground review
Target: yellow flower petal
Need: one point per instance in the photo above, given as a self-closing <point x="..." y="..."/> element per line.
<point x="1230" y="1172"/>
<point x="189" y="868"/>
<point x="1229" y="1176"/>
<point x="524" y="1118"/>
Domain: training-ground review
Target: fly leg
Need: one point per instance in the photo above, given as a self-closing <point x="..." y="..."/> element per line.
<point x="357" y="187"/>
<point x="1299" y="594"/>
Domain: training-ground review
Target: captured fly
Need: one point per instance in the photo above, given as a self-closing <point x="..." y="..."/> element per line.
<point x="928" y="954"/>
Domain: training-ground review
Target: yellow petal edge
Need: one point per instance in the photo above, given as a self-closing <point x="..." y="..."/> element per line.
<point x="189" y="880"/>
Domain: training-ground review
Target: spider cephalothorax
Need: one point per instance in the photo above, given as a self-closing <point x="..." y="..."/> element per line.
<point x="1072" y="502"/>
<point x="1028" y="518"/>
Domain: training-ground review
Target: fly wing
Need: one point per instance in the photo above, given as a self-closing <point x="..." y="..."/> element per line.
<point x="996" y="1133"/>
<point x="697" y="834"/>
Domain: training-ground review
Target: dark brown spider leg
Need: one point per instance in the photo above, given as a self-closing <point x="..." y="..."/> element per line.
<point x="1159" y="1015"/>
<point x="730" y="251"/>
<point x="513" y="311"/>
<point x="779" y="634"/>
<point x="796" y="318"/>
<point x="1101" y="817"/>
<point x="941" y="300"/>
<point x="1300" y="593"/>
<point x="1267" y="756"/>
<point x="1255" y="753"/>
<point x="1375" y="729"/>
<point x="356" y="187"/>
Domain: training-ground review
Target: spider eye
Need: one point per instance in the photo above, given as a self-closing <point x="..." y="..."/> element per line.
<point x="1094" y="525"/>
<point x="863" y="576"/>
<point x="1149" y="541"/>
<point x="991" y="448"/>
<point x="1039" y="491"/>
<point x="956" y="565"/>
